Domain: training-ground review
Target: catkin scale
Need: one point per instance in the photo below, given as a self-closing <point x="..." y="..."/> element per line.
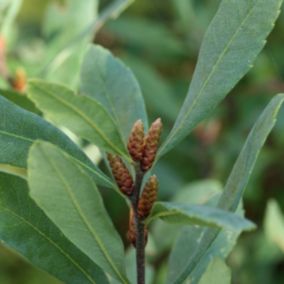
<point x="135" y="144"/>
<point x="148" y="197"/>
<point x="151" y="143"/>
<point x="131" y="233"/>
<point x="121" y="174"/>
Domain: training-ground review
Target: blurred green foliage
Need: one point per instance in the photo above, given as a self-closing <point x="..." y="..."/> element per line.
<point x="160" y="40"/>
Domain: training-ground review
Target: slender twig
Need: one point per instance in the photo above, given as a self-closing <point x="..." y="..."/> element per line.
<point x="140" y="241"/>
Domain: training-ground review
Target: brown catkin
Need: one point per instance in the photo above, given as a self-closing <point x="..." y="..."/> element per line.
<point x="148" y="197"/>
<point x="131" y="233"/>
<point x="135" y="144"/>
<point x="121" y="174"/>
<point x="151" y="143"/>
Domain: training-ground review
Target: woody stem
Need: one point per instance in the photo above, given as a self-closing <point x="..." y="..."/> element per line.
<point x="140" y="252"/>
<point x="140" y="241"/>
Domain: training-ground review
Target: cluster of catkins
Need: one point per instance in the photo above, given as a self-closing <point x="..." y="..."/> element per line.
<point x="143" y="149"/>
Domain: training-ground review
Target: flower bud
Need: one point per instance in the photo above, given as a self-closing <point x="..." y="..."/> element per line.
<point x="148" y="197"/>
<point x="136" y="141"/>
<point x="121" y="174"/>
<point x="151" y="142"/>
<point x="131" y="233"/>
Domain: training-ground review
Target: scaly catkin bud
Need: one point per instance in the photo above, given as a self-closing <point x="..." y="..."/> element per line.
<point x="121" y="174"/>
<point x="148" y="197"/>
<point x="131" y="233"/>
<point x="136" y="141"/>
<point x="151" y="142"/>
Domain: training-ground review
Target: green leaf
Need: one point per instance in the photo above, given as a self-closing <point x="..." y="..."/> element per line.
<point x="187" y="242"/>
<point x="67" y="33"/>
<point x="232" y="42"/>
<point x="190" y="214"/>
<point x="199" y="192"/>
<point x="26" y="229"/>
<point x="234" y="188"/>
<point x="274" y="224"/>
<point x="20" y="128"/>
<point x="216" y="273"/>
<point x="8" y="20"/>
<point x="20" y="100"/>
<point x="82" y="115"/>
<point x="244" y="165"/>
<point x="153" y="83"/>
<point x="107" y="80"/>
<point x="70" y="198"/>
<point x="74" y="27"/>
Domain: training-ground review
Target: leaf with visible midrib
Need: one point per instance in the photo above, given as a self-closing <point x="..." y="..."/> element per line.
<point x="20" y="128"/>
<point x="69" y="197"/>
<point x="234" y="188"/>
<point x="82" y="115"/>
<point x="107" y="80"/>
<point x="26" y="229"/>
<point x="233" y="40"/>
<point x="191" y="214"/>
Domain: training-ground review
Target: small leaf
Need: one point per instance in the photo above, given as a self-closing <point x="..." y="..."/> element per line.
<point x="107" y="80"/>
<point x="234" y="187"/>
<point x="201" y="215"/>
<point x="27" y="230"/>
<point x="20" y="128"/>
<point x="82" y="115"/>
<point x="69" y="197"/>
<point x="232" y="42"/>
<point x="216" y="273"/>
